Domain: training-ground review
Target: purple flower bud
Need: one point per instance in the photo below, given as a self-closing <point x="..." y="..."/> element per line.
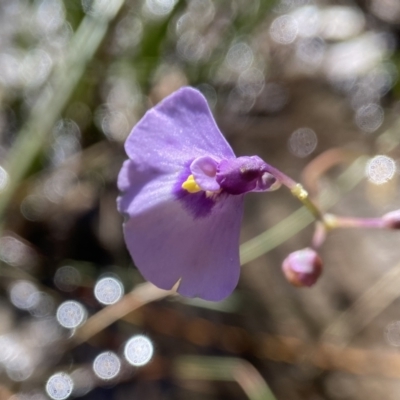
<point x="302" y="267"/>
<point x="391" y="220"/>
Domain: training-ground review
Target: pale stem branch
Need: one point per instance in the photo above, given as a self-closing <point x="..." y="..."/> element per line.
<point x="138" y="297"/>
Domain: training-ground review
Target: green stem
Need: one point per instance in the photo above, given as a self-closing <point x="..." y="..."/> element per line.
<point x="301" y="194"/>
<point x="297" y="190"/>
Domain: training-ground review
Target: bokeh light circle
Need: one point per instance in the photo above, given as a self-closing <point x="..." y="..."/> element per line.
<point x="67" y="278"/>
<point x="240" y="57"/>
<point x="159" y="8"/>
<point x="21" y="294"/>
<point x="302" y="142"/>
<point x="107" y="365"/>
<point x="284" y="29"/>
<point x="138" y="350"/>
<point x="59" y="386"/>
<point x="369" y="117"/>
<point x="42" y="304"/>
<point x="108" y="290"/>
<point x="380" y="169"/>
<point x="71" y="314"/>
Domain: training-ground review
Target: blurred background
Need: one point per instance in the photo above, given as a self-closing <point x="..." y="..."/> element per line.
<point x="311" y="86"/>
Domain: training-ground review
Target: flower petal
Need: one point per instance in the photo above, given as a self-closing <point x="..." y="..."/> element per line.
<point x="167" y="244"/>
<point x="204" y="170"/>
<point x="143" y="188"/>
<point x="178" y="129"/>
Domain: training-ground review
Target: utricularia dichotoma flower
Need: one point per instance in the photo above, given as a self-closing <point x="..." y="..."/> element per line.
<point x="182" y="195"/>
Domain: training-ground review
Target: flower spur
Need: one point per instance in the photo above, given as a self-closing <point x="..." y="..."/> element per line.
<point x="182" y="195"/>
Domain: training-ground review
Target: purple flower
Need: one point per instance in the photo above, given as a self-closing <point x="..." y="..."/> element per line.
<point x="182" y="195"/>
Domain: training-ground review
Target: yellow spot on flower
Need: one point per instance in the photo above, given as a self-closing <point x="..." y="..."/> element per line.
<point x="190" y="185"/>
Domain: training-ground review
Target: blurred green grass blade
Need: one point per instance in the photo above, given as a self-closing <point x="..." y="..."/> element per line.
<point x="224" y="369"/>
<point x="34" y="134"/>
<point x="275" y="236"/>
<point x="149" y="56"/>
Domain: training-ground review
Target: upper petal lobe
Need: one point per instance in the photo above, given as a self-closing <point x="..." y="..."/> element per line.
<point x="179" y="128"/>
